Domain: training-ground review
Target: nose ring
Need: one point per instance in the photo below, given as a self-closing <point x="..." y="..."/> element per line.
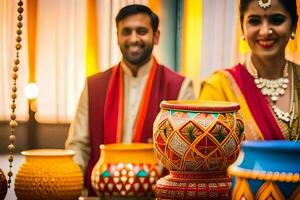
<point x="270" y="31"/>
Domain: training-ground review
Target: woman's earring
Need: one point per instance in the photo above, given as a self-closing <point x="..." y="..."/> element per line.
<point x="292" y="45"/>
<point x="293" y="35"/>
<point x="243" y="45"/>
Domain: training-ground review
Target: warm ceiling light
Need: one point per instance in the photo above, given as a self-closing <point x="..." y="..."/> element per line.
<point x="31" y="91"/>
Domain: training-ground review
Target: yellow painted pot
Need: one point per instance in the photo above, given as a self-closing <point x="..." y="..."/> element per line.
<point x="125" y="170"/>
<point x="48" y="174"/>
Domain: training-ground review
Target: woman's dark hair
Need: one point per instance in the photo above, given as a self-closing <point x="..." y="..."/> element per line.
<point x="289" y="5"/>
<point x="135" y="9"/>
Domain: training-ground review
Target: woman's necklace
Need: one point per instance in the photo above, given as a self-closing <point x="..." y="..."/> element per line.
<point x="287" y="116"/>
<point x="269" y="87"/>
<point x="272" y="89"/>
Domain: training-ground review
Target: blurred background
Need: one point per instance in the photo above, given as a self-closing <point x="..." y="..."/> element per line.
<point x="64" y="41"/>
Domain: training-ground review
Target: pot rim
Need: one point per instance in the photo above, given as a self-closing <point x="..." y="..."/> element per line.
<point x="125" y="146"/>
<point x="48" y="152"/>
<point x="200" y="105"/>
<point x="272" y="145"/>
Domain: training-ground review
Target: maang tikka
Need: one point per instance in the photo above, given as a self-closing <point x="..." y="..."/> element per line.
<point x="264" y="3"/>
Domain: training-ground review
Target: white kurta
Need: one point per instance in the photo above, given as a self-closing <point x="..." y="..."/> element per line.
<point x="78" y="139"/>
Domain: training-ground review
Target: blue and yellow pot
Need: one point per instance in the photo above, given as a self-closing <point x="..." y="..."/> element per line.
<point x="267" y="170"/>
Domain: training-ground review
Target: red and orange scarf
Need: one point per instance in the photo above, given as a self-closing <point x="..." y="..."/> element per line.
<point x="257" y="103"/>
<point x="114" y="106"/>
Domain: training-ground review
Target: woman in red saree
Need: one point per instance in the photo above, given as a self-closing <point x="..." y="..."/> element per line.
<point x="266" y="86"/>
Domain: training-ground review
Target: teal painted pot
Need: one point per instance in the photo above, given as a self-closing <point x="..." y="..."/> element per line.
<point x="267" y="170"/>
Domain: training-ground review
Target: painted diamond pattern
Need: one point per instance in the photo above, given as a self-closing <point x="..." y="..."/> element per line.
<point x="174" y="158"/>
<point x="205" y="120"/>
<point x="206" y="146"/>
<point x="222" y="118"/>
<point x="178" y="119"/>
<point x="158" y="128"/>
<point x="231" y="158"/>
<point x="192" y="160"/>
<point x="215" y="160"/>
<point x="219" y="131"/>
<point x="230" y="120"/>
<point x="160" y="121"/>
<point x="190" y="165"/>
<point x="230" y="146"/>
<point x="160" y="143"/>
<point x="190" y="131"/>
<point x="166" y="129"/>
<point x="239" y="129"/>
<point x="190" y="156"/>
<point x="197" y="141"/>
<point x="178" y="144"/>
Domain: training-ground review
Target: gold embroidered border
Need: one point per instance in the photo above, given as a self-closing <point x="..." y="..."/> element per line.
<point x="264" y="175"/>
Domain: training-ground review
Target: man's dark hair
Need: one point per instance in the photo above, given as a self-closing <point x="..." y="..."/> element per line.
<point x="135" y="9"/>
<point x="289" y="5"/>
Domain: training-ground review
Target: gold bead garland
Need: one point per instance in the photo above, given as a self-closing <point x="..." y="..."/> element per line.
<point x="13" y="123"/>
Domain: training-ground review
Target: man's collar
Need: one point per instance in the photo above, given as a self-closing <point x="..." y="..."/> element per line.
<point x="143" y="70"/>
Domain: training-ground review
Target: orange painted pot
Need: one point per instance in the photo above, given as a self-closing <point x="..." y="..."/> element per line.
<point x="48" y="174"/>
<point x="197" y="141"/>
<point x="126" y="170"/>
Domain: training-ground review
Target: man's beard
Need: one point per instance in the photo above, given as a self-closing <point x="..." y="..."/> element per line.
<point x="140" y="59"/>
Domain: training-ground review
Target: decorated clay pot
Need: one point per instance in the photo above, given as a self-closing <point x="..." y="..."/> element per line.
<point x="48" y="174"/>
<point x="125" y="170"/>
<point x="197" y="141"/>
<point x="3" y="185"/>
<point x="267" y="170"/>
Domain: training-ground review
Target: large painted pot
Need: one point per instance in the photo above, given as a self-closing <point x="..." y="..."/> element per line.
<point x="267" y="170"/>
<point x="48" y="174"/>
<point x="3" y="185"/>
<point x="126" y="171"/>
<point x="196" y="141"/>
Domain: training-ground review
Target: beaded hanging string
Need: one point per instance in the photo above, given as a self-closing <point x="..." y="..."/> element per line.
<point x="13" y="122"/>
